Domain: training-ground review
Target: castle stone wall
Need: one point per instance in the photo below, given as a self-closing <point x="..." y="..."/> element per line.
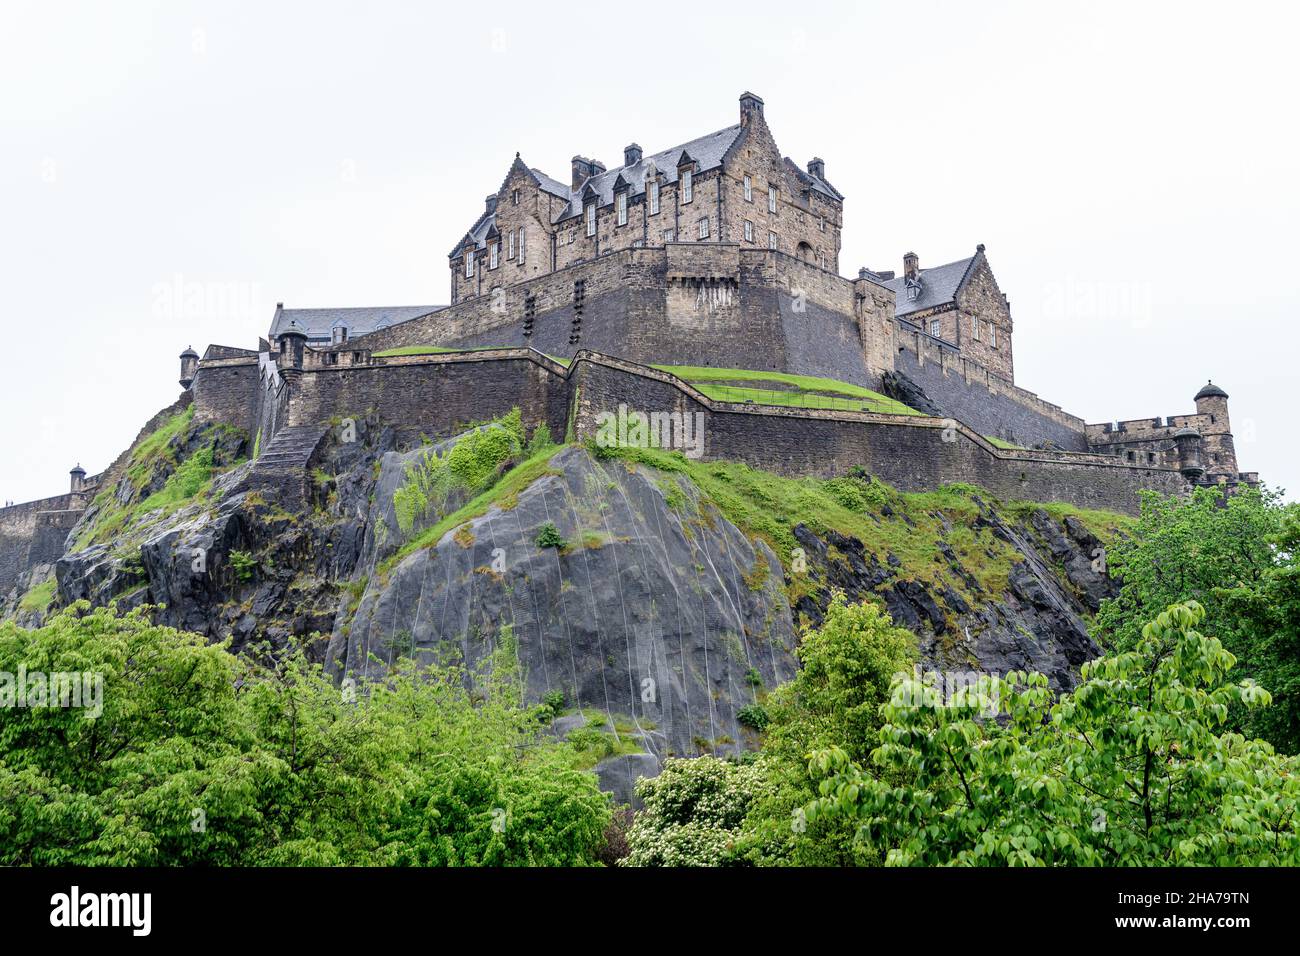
<point x="909" y="453"/>
<point x="991" y="405"/>
<point x="436" y="396"/>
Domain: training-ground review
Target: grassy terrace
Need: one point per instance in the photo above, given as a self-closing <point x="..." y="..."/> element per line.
<point x="801" y="391"/>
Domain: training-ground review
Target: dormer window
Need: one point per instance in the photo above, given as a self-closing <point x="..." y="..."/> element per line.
<point x="339" y="334"/>
<point x="688" y="186"/>
<point x="469" y="264"/>
<point x="621" y="204"/>
<point x="591" y="218"/>
<point x="749" y="189"/>
<point x="494" y="254"/>
<point x="771" y="199"/>
<point x="652" y="190"/>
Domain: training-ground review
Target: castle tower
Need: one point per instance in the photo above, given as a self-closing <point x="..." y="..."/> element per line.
<point x="189" y="365"/>
<point x="78" y="475"/>
<point x="293" y="344"/>
<point x="1219" y="454"/>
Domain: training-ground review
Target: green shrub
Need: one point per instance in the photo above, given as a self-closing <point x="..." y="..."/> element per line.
<point x="549" y="537"/>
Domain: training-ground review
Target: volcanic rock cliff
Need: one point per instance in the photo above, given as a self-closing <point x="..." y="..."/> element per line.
<point x="655" y="597"/>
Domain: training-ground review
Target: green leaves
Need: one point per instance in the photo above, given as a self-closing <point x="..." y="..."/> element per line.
<point x="1129" y="769"/>
<point x="200" y="757"/>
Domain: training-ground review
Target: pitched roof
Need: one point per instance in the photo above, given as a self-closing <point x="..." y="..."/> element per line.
<point x="939" y="286"/>
<point x="815" y="183"/>
<point x="318" y="323"/>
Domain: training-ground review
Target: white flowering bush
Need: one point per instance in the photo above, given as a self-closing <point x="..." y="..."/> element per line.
<point x="693" y="812"/>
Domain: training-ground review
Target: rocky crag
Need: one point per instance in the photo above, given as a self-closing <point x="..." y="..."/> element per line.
<point x="651" y="600"/>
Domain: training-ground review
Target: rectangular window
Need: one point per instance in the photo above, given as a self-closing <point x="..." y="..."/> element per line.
<point x="521" y="245"/>
<point x="670" y="235"/>
<point x="749" y="231"/>
<point x="749" y="189"/>
<point x="821" y="223"/>
<point x="591" y="218"/>
<point x="510" y="244"/>
<point x="771" y="199"/>
<point x="469" y="265"/>
<point x="653" y="190"/>
<point x="975" y="327"/>
<point x="771" y="240"/>
<point x="935" y="327"/>
<point x="704" y="228"/>
<point x="993" y="336"/>
<point x="493" y="255"/>
<point x="514" y="197"/>
<point x="622" y="208"/>
<point x="688" y="187"/>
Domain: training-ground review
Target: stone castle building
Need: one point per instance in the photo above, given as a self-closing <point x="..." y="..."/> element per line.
<point x="718" y="252"/>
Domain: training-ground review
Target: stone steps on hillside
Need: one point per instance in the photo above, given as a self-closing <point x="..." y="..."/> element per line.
<point x="281" y="468"/>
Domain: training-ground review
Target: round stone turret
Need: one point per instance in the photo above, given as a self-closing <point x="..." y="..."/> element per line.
<point x="189" y="365"/>
<point x="1210" y="390"/>
<point x="78" y="475"/>
<point x="293" y="343"/>
<point x="1188" y="442"/>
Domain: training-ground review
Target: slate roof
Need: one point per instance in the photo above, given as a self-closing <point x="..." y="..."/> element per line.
<point x="939" y="286"/>
<point x="814" y="183"/>
<point x="318" y="323"/>
<point x="707" y="152"/>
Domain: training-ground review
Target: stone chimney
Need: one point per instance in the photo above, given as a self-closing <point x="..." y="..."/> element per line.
<point x="490" y="203"/>
<point x="817" y="167"/>
<point x="631" y="154"/>
<point x="584" y="169"/>
<point x="911" y="265"/>
<point x="750" y="106"/>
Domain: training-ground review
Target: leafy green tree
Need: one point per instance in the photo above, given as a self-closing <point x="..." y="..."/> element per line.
<point x="1130" y="769"/>
<point x="1235" y="556"/>
<point x="848" y="665"/>
<point x="202" y="757"/>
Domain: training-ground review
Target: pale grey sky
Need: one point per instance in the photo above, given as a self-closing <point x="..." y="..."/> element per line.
<point x="1131" y="168"/>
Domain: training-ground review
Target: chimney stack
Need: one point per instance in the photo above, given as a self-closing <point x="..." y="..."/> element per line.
<point x="911" y="265"/>
<point x="631" y="154"/>
<point x="490" y="203"/>
<point x="750" y="106"/>
<point x="817" y="167"/>
<point x="584" y="169"/>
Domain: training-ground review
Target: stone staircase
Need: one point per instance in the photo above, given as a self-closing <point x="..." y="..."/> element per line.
<point x="280" y="472"/>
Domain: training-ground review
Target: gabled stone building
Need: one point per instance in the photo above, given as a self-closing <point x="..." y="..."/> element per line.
<point x="731" y="186"/>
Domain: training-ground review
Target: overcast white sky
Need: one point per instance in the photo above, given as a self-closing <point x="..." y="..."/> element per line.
<point x="1131" y="168"/>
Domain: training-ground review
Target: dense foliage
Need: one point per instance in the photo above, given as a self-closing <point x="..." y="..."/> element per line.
<point x="202" y="757"/>
<point x="1132" y="768"/>
<point x="1236" y="556"/>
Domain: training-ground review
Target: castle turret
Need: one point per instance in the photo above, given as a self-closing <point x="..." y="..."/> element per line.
<point x="293" y="344"/>
<point x="1188" y="443"/>
<point x="1219" y="453"/>
<point x="189" y="365"/>
<point x="78" y="475"/>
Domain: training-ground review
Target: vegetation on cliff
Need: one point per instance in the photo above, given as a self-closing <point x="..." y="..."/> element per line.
<point x="202" y="757"/>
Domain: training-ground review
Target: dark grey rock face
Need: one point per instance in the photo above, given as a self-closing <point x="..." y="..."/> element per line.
<point x="665" y="616"/>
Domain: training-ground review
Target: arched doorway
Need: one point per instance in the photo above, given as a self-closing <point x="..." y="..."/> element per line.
<point x="805" y="252"/>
